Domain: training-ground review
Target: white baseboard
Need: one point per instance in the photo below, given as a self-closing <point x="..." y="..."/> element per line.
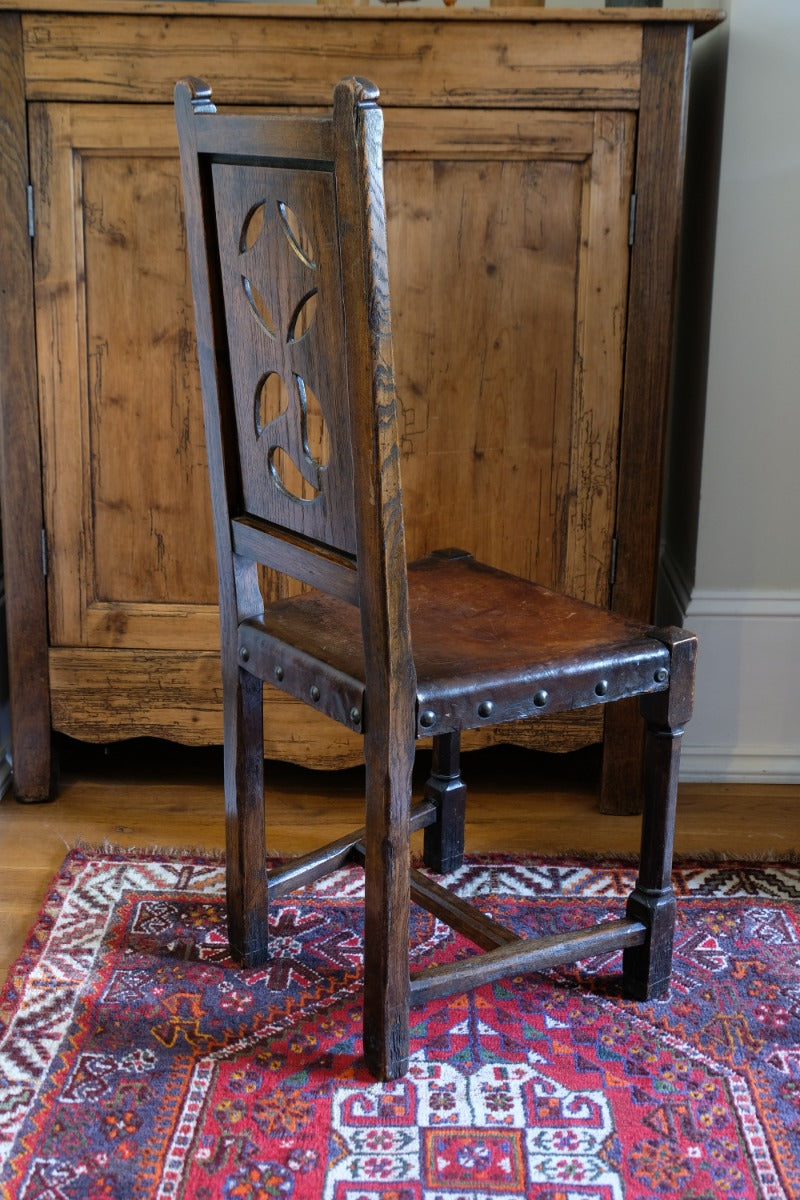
<point x="760" y="764"/>
<point x="746" y="723"/>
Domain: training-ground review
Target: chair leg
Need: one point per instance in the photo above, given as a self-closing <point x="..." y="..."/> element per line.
<point x="246" y="867"/>
<point x="647" y="968"/>
<point x="443" y="846"/>
<point x="386" y="908"/>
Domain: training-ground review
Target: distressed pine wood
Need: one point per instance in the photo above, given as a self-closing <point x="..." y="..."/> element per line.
<point x="20" y="490"/>
<point x="402" y="47"/>
<point x="515" y="96"/>
<point x="468" y="357"/>
<point x="706" y="17"/>
<point x="517" y="446"/>
<point x="124" y="469"/>
<point x="188" y="708"/>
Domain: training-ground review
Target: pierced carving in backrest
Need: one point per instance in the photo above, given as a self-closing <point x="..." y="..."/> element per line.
<point x="279" y="263"/>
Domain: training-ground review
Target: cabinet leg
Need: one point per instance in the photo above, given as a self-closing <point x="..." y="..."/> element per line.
<point x="36" y="778"/>
<point x="623" y="759"/>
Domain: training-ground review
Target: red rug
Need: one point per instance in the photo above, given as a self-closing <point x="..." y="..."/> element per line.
<point x="137" y="1062"/>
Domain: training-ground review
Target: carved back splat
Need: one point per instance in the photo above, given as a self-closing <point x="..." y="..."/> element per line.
<point x="279" y="268"/>
<point x="266" y="219"/>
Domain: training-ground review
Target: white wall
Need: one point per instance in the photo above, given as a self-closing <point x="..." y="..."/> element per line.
<point x="732" y="520"/>
<point x="749" y="531"/>
<point x="745" y="581"/>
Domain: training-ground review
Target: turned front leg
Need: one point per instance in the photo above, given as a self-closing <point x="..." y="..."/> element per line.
<point x="443" y="846"/>
<point x="647" y="968"/>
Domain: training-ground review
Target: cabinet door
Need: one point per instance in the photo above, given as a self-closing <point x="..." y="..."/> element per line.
<point x="130" y="539"/>
<point x="508" y="250"/>
<point x="508" y="258"/>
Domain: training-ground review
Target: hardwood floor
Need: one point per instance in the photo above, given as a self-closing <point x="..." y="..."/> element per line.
<point x="152" y="794"/>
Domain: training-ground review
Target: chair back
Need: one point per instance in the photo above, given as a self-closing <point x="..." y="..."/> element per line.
<point x="286" y="233"/>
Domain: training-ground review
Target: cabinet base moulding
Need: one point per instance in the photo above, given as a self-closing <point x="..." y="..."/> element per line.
<point x="109" y="696"/>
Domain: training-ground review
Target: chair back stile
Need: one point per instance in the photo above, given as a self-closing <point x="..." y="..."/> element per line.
<point x="391" y="683"/>
<point x="237" y="582"/>
<point x="376" y="450"/>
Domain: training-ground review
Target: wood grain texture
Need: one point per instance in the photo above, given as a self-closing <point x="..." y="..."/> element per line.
<point x="647" y="968"/>
<point x="124" y="452"/>
<point x="102" y="696"/>
<point x="654" y="263"/>
<point x="145" y="472"/>
<point x="20" y="490"/>
<point x="451" y="63"/>
<point x="302" y="412"/>
<point x="389" y="665"/>
<point x="532" y="106"/>
<point x="510" y="391"/>
<point x="179" y="697"/>
<point x="601" y="303"/>
<point x="523" y="955"/>
<point x="706" y="18"/>
<point x="443" y="844"/>
<point x="86" y="401"/>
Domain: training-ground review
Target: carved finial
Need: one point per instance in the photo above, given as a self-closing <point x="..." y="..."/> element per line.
<point x="365" y="91"/>
<point x="354" y="93"/>
<point x="199" y="94"/>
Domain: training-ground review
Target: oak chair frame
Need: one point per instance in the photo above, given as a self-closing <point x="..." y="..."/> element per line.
<point x="358" y="647"/>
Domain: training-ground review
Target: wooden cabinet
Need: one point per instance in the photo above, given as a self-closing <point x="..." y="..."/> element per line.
<point x="532" y="331"/>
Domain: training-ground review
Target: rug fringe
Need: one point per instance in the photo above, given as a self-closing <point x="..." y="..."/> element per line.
<point x="168" y="853"/>
<point x="703" y="858"/>
<point x="789" y="858"/>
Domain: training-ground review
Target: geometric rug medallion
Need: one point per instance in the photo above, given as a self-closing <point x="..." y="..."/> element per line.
<point x="136" y="1060"/>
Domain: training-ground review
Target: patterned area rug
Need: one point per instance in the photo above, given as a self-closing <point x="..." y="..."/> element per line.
<point x="137" y="1062"/>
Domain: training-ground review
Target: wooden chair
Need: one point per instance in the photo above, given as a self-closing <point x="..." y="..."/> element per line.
<point x="286" y="231"/>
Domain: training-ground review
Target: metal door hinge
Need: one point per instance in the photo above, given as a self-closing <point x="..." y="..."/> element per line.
<point x="31" y="224"/>
<point x="632" y="219"/>
<point x="44" y="553"/>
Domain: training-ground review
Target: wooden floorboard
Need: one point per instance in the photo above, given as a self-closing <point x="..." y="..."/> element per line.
<point x="156" y="795"/>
